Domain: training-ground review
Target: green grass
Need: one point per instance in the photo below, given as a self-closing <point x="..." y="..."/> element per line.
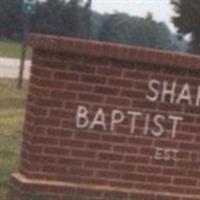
<point x="12" y="49"/>
<point x="12" y="103"/>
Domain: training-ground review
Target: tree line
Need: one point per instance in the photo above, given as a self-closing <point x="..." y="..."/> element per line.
<point x="74" y="18"/>
<point x="187" y="20"/>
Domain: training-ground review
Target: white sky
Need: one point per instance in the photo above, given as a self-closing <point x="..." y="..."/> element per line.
<point x="161" y="9"/>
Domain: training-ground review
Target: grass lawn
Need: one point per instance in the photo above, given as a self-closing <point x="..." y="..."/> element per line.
<point x="12" y="102"/>
<point x="12" y="49"/>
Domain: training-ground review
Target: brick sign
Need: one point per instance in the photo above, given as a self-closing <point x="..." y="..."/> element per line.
<point x="108" y="121"/>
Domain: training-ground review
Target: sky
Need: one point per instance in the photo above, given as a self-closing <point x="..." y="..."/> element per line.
<point x="161" y="9"/>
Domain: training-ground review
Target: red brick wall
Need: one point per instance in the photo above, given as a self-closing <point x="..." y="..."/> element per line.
<point x="155" y="155"/>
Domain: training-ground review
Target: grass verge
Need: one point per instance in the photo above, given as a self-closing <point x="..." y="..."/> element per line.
<point x="12" y="103"/>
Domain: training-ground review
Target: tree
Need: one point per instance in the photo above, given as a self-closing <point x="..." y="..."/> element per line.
<point x="116" y="28"/>
<point x="187" y="20"/>
<point x="11" y="23"/>
<point x="122" y="28"/>
<point x="75" y="18"/>
<point x="44" y="21"/>
<point x="88" y="21"/>
<point x="59" y="17"/>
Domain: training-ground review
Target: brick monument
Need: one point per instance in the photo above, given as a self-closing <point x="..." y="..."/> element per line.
<point x="106" y="121"/>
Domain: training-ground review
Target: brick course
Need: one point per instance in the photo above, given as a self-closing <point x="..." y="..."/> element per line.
<point x="58" y="158"/>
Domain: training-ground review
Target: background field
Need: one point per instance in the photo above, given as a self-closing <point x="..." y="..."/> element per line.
<point x="11" y="49"/>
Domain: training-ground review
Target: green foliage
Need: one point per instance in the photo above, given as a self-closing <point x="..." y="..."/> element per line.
<point x="74" y="18"/>
<point x="59" y="17"/>
<point x="122" y="28"/>
<point x="11" y="20"/>
<point x="187" y="20"/>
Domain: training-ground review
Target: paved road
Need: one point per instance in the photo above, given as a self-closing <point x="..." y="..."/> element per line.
<point x="9" y="68"/>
